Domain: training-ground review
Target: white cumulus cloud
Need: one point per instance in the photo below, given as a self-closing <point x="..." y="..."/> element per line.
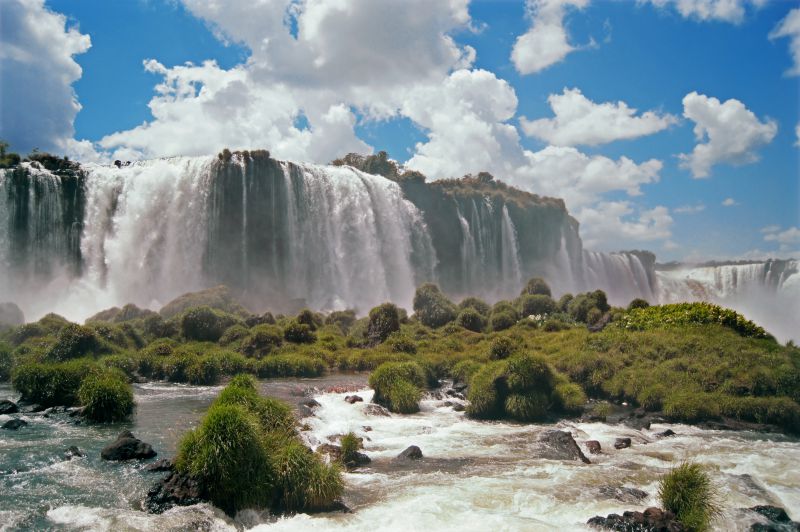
<point x="604" y="224"/>
<point x="732" y="11"/>
<point x="689" y="209"/>
<point x="726" y="133"/>
<point x="578" y="120"/>
<point x="729" y="202"/>
<point x="790" y="27"/>
<point x="785" y="237"/>
<point x="37" y="70"/>
<point x="546" y="42"/>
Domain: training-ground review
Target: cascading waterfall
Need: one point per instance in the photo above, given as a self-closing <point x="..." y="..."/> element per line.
<point x="511" y="273"/>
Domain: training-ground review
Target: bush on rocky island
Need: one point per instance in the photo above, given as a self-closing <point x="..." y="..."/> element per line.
<point x="106" y="397"/>
<point x="688" y="492"/>
<point x="432" y="307"/>
<point x="398" y="386"/>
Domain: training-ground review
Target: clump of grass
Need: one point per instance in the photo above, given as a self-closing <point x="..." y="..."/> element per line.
<point x="689" y="493"/>
<point x="681" y="314"/>
<point x="501" y="347"/>
<point x="398" y="386"/>
<point x="290" y="365"/>
<point x="350" y="446"/>
<point x="106" y="397"/>
<point x="50" y="384"/>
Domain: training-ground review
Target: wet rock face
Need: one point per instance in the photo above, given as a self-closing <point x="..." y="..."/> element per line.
<point x="176" y="489"/>
<point x="376" y="410"/>
<point x="73" y="452"/>
<point x="593" y="446"/>
<point x="159" y="466"/>
<point x="410" y="453"/>
<point x="777" y="520"/>
<point x="622" y="443"/>
<point x="127" y="447"/>
<point x="651" y="520"/>
<point x="623" y="493"/>
<point x="8" y="407"/>
<point x="560" y="445"/>
<point x="352" y="399"/>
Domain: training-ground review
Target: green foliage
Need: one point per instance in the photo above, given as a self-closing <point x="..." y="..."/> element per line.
<point x="343" y="319"/>
<point x="233" y="335"/>
<point x="204" y="324"/>
<point x="464" y="370"/>
<point x="589" y="305"/>
<point x="398" y="385"/>
<point x="568" y="397"/>
<point x="564" y="301"/>
<point x="306" y="317"/>
<point x="25" y="332"/>
<point x="218" y="298"/>
<point x="536" y="286"/>
<point x="401" y="343"/>
<point x="683" y="314"/>
<point x="526" y="407"/>
<point x="487" y="391"/>
<point x="689" y="493"/>
<point x="638" y="303"/>
<point x="6" y="362"/>
<point x="350" y="445"/>
<point x="478" y="305"/>
<point x="471" y="319"/>
<point x="383" y="321"/>
<point x="303" y="482"/>
<point x="74" y="341"/>
<point x="106" y="397"/>
<point x="501" y="347"/>
<point x="500" y="321"/>
<point x="431" y="306"/>
<point x="262" y="340"/>
<point x="299" y="333"/>
<point x="290" y="365"/>
<point x="51" y="384"/>
<point x="537" y="305"/>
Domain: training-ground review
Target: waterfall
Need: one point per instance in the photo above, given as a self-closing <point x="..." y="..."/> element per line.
<point x="623" y="276"/>
<point x="511" y="274"/>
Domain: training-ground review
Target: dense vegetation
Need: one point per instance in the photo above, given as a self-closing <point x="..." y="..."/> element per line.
<point x="529" y="358"/>
<point x="687" y="491"/>
<point x="247" y="454"/>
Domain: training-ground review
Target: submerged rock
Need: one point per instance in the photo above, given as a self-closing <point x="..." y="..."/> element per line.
<point x="666" y="434"/>
<point x="622" y="443"/>
<point x="593" y="446"/>
<point x="159" y="466"/>
<point x="651" y="520"/>
<point x="560" y="445"/>
<point x="127" y="447"/>
<point x="14" y="424"/>
<point x="176" y="489"/>
<point x="410" y="453"/>
<point x="307" y="406"/>
<point x="623" y="493"/>
<point x="352" y="399"/>
<point x="8" y="407"/>
<point x="777" y="520"/>
<point x="376" y="410"/>
<point x="73" y="452"/>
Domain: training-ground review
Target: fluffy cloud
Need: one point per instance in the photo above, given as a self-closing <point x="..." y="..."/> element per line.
<point x="731" y="131"/>
<point x="37" y="70"/>
<point x="578" y="120"/>
<point x="723" y="10"/>
<point x="790" y="27"/>
<point x="785" y="237"/>
<point x="729" y="202"/>
<point x="604" y="224"/>
<point x="546" y="42"/>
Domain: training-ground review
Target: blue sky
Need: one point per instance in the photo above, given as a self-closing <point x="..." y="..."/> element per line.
<point x="437" y="85"/>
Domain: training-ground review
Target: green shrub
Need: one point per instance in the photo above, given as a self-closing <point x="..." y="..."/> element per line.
<point x="471" y="319"/>
<point x="291" y="365"/>
<point x="155" y="326"/>
<point x="487" y="392"/>
<point x="203" y="370"/>
<point x="398" y="381"/>
<point x="273" y="415"/>
<point x="554" y="325"/>
<point x="400" y="343"/>
<point x="299" y="333"/>
<point x="569" y="397"/>
<point x="262" y="340"/>
<point x="564" y="301"/>
<point x="234" y="334"/>
<point x="501" y="347"/>
<point x="306" y="317"/>
<point x="51" y="384"/>
<point x="6" y="362"/>
<point x="25" y="332"/>
<point x="536" y="286"/>
<point x="383" y="321"/>
<point x="688" y="492"/>
<point x="73" y="341"/>
<point x="528" y="407"/>
<point x="431" y="306"/>
<point x="478" y="305"/>
<point x="683" y="314"/>
<point x="227" y="455"/>
<point x="343" y="319"/>
<point x="500" y="321"/>
<point x="106" y="397"/>
<point x="303" y="482"/>
<point x="350" y="445"/>
<point x="464" y="370"/>
<point x="231" y="363"/>
<point x="204" y="324"/>
<point x="537" y="305"/>
<point x="529" y="372"/>
<point x="122" y="362"/>
<point x="638" y="303"/>
<point x="690" y="407"/>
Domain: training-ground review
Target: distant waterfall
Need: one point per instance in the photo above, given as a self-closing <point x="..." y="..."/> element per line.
<point x="511" y="272"/>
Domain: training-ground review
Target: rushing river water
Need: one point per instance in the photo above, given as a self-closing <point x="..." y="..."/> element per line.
<point x="475" y="475"/>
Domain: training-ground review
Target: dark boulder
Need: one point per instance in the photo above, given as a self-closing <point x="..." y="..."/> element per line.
<point x="333" y="451"/>
<point x="176" y="489"/>
<point x="376" y="410"/>
<point x="666" y="434"/>
<point x="353" y="399"/>
<point x="127" y="447"/>
<point x="8" y="407"/>
<point x="159" y="466"/>
<point x="651" y="520"/>
<point x="73" y="452"/>
<point x="560" y="445"/>
<point x="410" y="453"/>
<point x="359" y="459"/>
<point x="307" y="406"/>
<point x="622" y="443"/>
<point x="593" y="446"/>
<point x="777" y="520"/>
<point x="14" y="424"/>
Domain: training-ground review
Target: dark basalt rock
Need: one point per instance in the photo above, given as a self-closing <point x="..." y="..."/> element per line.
<point x="623" y="493"/>
<point x="159" y="466"/>
<point x="127" y="447"/>
<point x="376" y="410"/>
<point x="307" y="406"/>
<point x="14" y="424"/>
<point x="333" y="451"/>
<point x="666" y="434"/>
<point x="410" y="453"/>
<point x="8" y="407"/>
<point x="593" y="446"/>
<point x="651" y="520"/>
<point x="360" y="459"/>
<point x="777" y="520"/>
<point x="73" y="452"/>
<point x="353" y="399"/>
<point x="622" y="443"/>
<point x="176" y="489"/>
<point x="560" y="445"/>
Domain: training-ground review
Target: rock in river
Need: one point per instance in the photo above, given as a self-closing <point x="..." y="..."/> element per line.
<point x="14" y="424"/>
<point x="410" y="453"/>
<point x="651" y="520"/>
<point x="127" y="447"/>
<point x="560" y="445"/>
<point x="8" y="407"/>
